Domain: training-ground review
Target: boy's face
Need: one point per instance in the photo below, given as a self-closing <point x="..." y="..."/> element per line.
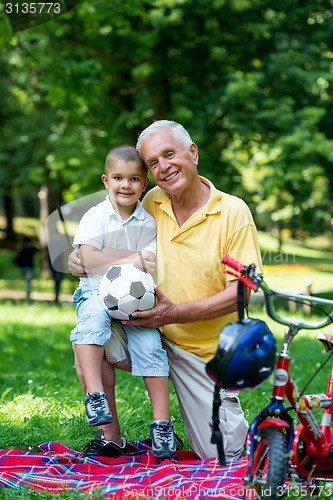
<point x="126" y="181"/>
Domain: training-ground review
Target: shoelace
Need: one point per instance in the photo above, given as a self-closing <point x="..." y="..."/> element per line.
<point x="98" y="403"/>
<point x="94" y="445"/>
<point x="162" y="433"/>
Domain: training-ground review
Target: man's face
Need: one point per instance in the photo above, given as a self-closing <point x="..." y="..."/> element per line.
<point x="172" y="165"/>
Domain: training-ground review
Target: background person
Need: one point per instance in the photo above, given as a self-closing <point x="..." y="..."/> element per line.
<point x="57" y="276"/>
<point x="196" y="225"/>
<point x="25" y="259"/>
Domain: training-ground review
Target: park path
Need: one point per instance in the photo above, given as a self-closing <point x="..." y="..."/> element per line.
<point x="35" y="296"/>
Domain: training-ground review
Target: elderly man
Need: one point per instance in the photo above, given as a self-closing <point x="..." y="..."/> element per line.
<point x="196" y="225"/>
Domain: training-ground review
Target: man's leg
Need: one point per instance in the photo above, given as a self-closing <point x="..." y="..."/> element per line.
<point x="195" y="395"/>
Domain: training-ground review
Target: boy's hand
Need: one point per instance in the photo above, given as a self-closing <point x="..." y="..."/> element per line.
<point x="147" y="261"/>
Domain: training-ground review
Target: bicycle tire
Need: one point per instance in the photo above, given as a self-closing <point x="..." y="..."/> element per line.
<point x="269" y="466"/>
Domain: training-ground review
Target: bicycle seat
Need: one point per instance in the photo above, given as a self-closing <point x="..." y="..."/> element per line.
<point x="326" y="338"/>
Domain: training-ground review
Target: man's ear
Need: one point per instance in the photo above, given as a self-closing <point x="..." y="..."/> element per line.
<point x="194" y="153"/>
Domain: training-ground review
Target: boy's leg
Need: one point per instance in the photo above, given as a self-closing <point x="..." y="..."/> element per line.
<point x="89" y="336"/>
<point x="195" y="395"/>
<point x="111" y="431"/>
<point x="107" y="440"/>
<point x="149" y="360"/>
<point x="90" y="358"/>
<point x="158" y="390"/>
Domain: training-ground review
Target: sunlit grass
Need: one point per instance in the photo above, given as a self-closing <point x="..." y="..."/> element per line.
<point x="42" y="399"/>
<point x="29" y="226"/>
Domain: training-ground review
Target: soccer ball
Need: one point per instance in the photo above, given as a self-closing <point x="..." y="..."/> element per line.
<point x="126" y="288"/>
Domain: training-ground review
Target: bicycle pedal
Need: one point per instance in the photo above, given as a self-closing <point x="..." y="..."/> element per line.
<point x="326" y="339"/>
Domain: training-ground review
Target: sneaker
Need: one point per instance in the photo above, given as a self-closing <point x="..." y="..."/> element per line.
<point x="97" y="409"/>
<point x="163" y="439"/>
<point x="100" y="447"/>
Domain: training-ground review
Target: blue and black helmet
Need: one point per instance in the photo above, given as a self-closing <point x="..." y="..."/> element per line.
<point x="245" y="357"/>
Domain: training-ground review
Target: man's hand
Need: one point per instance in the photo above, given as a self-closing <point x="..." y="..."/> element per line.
<point x="164" y="313"/>
<point x="75" y="264"/>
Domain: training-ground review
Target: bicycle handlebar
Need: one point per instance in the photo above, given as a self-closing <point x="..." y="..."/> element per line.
<point x="240" y="268"/>
<point x="253" y="280"/>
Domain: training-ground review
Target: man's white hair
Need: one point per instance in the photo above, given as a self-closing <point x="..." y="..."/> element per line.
<point x="179" y="132"/>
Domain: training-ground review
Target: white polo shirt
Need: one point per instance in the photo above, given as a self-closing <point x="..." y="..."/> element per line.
<point x="101" y="226"/>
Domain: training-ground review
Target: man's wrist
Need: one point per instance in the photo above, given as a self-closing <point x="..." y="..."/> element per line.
<point x="179" y="313"/>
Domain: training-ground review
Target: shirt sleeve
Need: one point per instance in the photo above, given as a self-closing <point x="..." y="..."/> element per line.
<point x="90" y="230"/>
<point x="243" y="243"/>
<point x="147" y="240"/>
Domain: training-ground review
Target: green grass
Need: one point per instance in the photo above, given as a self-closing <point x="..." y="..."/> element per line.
<point x="298" y="264"/>
<point x="41" y="399"/>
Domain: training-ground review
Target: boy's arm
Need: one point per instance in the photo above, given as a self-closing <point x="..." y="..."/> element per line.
<point x="98" y="261"/>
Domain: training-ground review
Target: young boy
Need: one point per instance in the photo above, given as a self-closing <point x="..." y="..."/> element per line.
<point x="117" y="231"/>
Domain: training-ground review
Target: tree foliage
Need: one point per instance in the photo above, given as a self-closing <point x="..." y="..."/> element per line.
<point x="250" y="80"/>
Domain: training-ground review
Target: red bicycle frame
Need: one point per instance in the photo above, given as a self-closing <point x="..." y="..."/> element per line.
<point x="309" y="447"/>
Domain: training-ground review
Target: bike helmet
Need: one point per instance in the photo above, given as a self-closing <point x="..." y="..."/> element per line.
<point x="245" y="356"/>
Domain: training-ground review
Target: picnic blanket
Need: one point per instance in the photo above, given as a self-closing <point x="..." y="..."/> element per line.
<point x="56" y="468"/>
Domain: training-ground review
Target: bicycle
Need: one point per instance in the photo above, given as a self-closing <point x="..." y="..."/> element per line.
<point x="276" y="450"/>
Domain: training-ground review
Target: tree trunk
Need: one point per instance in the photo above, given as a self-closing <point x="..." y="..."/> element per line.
<point x="9" y="217"/>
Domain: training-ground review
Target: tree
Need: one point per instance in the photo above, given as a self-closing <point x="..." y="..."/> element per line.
<point x="251" y="80"/>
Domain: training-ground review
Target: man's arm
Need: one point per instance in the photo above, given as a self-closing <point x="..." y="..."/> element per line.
<point x="75" y="266"/>
<point x="166" y="313"/>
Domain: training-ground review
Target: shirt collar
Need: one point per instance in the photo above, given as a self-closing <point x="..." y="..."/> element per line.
<point x="212" y="206"/>
<point x="137" y="214"/>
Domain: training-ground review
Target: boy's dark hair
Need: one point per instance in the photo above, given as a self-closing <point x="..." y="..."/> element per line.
<point x="125" y="152"/>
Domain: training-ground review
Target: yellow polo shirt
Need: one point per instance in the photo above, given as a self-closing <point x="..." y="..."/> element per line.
<point x="189" y="259"/>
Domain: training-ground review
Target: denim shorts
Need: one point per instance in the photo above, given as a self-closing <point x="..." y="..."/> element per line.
<point x="94" y="326"/>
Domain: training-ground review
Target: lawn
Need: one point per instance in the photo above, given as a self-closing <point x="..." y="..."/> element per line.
<point x="298" y="264"/>
<point x="41" y="399"/>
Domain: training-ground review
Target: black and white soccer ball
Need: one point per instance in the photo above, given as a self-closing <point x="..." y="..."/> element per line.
<point x="126" y="288"/>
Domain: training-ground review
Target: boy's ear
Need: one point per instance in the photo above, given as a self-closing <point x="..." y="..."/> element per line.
<point x="105" y="181"/>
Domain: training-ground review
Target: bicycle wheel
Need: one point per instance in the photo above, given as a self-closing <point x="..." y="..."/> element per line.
<point x="269" y="466"/>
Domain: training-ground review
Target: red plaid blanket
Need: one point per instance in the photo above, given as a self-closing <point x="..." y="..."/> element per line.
<point x="57" y="468"/>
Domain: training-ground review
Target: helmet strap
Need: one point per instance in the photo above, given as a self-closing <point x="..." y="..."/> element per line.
<point x="240" y="301"/>
<point x="217" y="437"/>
